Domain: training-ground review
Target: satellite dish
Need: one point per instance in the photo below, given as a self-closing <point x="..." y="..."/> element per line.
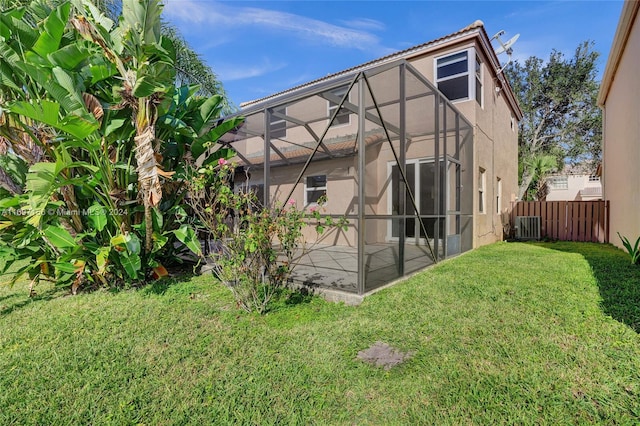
<point x="505" y="47"/>
<point x="498" y="34"/>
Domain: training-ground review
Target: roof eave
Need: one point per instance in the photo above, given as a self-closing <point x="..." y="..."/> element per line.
<point x="418" y="50"/>
<point x="474" y="31"/>
<point x="627" y="19"/>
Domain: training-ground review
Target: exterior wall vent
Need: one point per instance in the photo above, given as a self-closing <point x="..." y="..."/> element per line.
<point x="528" y="227"/>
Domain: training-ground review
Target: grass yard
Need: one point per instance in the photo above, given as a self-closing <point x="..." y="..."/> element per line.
<point x="511" y="333"/>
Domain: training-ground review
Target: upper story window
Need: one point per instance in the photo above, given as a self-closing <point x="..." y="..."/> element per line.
<point x="594" y="178"/>
<point x="453" y="76"/>
<point x="559" y="182"/>
<point x="343" y="116"/>
<point x="278" y="125"/>
<point x="478" y="81"/>
<point x="459" y="76"/>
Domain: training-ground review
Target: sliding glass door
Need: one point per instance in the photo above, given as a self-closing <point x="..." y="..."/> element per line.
<point x="421" y="180"/>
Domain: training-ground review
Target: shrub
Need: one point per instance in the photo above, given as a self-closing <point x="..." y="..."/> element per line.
<point x="255" y="248"/>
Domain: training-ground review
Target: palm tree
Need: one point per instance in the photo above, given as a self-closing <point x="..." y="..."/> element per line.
<point x="191" y="68"/>
<point x="541" y="165"/>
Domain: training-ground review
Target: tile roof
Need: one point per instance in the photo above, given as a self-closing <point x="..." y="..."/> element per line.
<point x="475" y="26"/>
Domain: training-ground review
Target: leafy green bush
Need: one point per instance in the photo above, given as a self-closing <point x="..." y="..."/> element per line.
<point x="255" y="248"/>
<point x="94" y="137"/>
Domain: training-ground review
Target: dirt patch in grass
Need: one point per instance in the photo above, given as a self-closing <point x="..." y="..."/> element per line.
<point x="382" y="355"/>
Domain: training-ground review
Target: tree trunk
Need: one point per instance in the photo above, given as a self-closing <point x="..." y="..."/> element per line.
<point x="148" y="179"/>
<point x="69" y="196"/>
<point x="527" y="177"/>
<point x="7" y="183"/>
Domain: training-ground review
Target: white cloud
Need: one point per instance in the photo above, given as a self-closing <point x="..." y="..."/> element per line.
<point x="529" y="10"/>
<point x="189" y="11"/>
<point x="232" y="72"/>
<point x="365" y="24"/>
<point x="215" y="15"/>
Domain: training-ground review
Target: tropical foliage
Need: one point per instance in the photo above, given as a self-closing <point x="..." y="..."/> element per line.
<point x="633" y="250"/>
<point x="540" y="166"/>
<point x="190" y="67"/>
<point x="561" y="117"/>
<point x="94" y="136"/>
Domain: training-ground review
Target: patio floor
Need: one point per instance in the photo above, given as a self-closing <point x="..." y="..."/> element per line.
<point x="336" y="267"/>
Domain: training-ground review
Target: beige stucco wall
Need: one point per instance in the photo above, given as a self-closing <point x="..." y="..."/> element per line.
<point x="621" y="148"/>
<point x="495" y="147"/>
<point x="341" y="193"/>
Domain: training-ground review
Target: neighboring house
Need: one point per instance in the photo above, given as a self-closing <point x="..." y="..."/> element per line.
<point x="619" y="99"/>
<point x="417" y="149"/>
<point x="573" y="187"/>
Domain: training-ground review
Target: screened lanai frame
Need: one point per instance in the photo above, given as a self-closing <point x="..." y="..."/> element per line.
<point x="386" y="127"/>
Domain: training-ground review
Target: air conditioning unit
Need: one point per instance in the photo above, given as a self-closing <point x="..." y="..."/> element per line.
<point x="528" y="227"/>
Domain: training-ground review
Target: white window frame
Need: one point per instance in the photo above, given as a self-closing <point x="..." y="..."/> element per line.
<point x="416" y="162"/>
<point x="478" y="76"/>
<point x="470" y="73"/>
<point x="331" y="108"/>
<point x="277" y="120"/>
<point x="482" y="191"/>
<point x="314" y="188"/>
<point x="594" y="178"/>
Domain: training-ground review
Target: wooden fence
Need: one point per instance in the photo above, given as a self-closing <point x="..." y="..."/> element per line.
<point x="567" y="220"/>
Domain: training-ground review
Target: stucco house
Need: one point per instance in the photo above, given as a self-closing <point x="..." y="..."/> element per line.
<point x="619" y="99"/>
<point x="418" y="150"/>
<point x="575" y="186"/>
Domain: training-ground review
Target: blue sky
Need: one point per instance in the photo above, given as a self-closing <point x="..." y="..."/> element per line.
<point x="258" y="48"/>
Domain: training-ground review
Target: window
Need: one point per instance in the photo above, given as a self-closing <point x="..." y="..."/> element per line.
<point x="478" y="81"/>
<point x="343" y="116"/>
<point x="459" y="76"/>
<point x="594" y="178"/>
<point x="498" y="195"/>
<point x="481" y="190"/>
<point x="315" y="187"/>
<point x="513" y="123"/>
<point x="453" y="76"/>
<point x="559" y="182"/>
<point x="278" y="126"/>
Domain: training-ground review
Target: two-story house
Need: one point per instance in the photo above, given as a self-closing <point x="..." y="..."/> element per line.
<point x="418" y="150"/>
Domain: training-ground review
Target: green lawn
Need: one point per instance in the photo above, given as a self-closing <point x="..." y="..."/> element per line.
<point x="510" y="333"/>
